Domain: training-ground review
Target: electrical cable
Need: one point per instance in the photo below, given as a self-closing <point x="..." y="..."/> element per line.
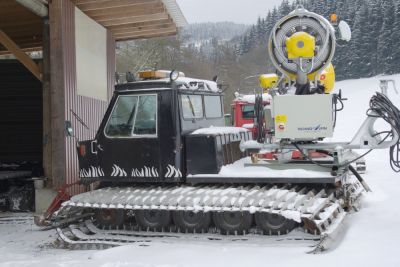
<point x="310" y="159"/>
<point x="380" y="106"/>
<point x="347" y="163"/>
<point x="336" y="99"/>
<point x="259" y="117"/>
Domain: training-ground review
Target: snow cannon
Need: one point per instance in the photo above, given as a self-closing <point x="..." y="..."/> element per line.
<point x="301" y="47"/>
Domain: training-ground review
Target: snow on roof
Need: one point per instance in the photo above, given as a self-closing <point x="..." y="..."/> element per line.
<point x="176" y="13"/>
<point x="188" y="83"/>
<point x="252" y="98"/>
<point x="220" y="130"/>
<point x="248" y="125"/>
<point x="194" y="84"/>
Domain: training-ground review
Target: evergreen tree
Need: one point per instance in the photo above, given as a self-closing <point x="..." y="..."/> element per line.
<point x="268" y="24"/>
<point x="360" y="56"/>
<point x="252" y="38"/>
<point x="375" y="28"/>
<point x="284" y="8"/>
<point x="260" y="28"/>
<point x="385" y="44"/>
<point x="395" y="62"/>
<point x="319" y="6"/>
<point x="274" y="16"/>
<point x="376" y="22"/>
<point x="245" y="47"/>
<point x="330" y="7"/>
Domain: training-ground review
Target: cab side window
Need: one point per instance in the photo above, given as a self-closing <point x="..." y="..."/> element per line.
<point x="146" y="117"/>
<point x="133" y="116"/>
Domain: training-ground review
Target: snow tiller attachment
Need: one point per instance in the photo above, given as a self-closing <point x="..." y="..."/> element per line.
<point x="165" y="165"/>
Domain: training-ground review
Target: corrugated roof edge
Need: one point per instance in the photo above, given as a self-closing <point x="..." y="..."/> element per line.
<point x="176" y="13"/>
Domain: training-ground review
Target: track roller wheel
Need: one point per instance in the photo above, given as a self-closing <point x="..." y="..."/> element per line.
<point x="237" y="223"/>
<point x="109" y="217"/>
<point x="274" y="224"/>
<point x="193" y="222"/>
<point x="157" y="220"/>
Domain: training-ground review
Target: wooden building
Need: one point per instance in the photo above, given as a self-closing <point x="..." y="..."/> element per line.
<point x="74" y="78"/>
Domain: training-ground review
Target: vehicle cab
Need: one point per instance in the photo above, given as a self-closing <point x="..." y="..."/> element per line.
<point x="142" y="135"/>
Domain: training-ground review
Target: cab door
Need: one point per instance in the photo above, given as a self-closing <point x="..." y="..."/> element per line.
<point x="128" y="148"/>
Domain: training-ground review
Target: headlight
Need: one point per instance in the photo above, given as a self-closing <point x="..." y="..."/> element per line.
<point x="174" y="75"/>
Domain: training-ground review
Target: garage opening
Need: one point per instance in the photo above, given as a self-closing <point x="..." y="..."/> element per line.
<point x="21" y="104"/>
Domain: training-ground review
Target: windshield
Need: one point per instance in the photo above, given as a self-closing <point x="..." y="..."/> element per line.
<point x="192" y="106"/>
<point x="248" y="112"/>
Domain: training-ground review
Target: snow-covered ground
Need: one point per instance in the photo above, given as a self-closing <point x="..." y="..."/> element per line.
<point x="371" y="237"/>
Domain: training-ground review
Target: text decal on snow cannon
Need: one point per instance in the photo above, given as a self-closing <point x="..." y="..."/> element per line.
<point x="313" y="129"/>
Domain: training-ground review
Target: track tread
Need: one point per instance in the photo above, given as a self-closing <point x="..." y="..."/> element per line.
<point x="320" y="210"/>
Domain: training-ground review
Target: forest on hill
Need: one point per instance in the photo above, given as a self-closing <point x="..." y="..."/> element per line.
<point x="238" y="53"/>
<point x="374" y="48"/>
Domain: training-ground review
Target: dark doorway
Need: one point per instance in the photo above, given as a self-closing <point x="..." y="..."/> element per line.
<point x="21" y="126"/>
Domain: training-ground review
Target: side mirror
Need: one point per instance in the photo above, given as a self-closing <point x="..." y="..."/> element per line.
<point x="68" y="129"/>
<point x="344" y="31"/>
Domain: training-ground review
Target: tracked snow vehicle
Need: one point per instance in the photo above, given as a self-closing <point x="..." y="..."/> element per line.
<point x="163" y="162"/>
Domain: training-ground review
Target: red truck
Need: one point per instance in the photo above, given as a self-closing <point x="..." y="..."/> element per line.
<point x="242" y="111"/>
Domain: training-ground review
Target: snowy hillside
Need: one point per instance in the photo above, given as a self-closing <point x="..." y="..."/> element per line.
<point x="371" y="236"/>
<point x="200" y="33"/>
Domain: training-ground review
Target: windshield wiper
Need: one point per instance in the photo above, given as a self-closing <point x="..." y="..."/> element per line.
<point x="191" y="106"/>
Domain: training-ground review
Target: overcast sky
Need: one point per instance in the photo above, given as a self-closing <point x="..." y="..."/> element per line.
<point x="239" y="11"/>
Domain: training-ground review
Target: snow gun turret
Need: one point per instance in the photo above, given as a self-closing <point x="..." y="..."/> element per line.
<point x="301" y="47"/>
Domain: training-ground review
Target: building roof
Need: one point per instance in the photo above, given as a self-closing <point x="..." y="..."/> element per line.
<point x="21" y="25"/>
<point x="135" y="19"/>
<point x="126" y="19"/>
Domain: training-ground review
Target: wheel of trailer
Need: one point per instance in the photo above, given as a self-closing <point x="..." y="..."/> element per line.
<point x="109" y="217"/>
<point x="158" y="220"/>
<point x="237" y="223"/>
<point x="193" y="222"/>
<point x="274" y="224"/>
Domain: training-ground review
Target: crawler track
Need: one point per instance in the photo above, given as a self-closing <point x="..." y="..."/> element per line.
<point x="320" y="212"/>
<point x="86" y="235"/>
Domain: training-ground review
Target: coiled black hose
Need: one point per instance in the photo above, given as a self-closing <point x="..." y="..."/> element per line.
<point x="259" y="118"/>
<point x="380" y="106"/>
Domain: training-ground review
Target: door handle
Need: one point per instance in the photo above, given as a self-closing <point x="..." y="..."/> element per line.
<point x="92" y="147"/>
